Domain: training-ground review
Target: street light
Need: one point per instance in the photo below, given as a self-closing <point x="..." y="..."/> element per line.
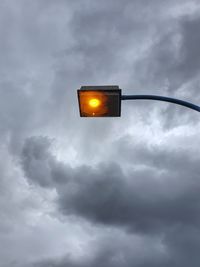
<point x="105" y="101"/>
<point x="99" y="101"/>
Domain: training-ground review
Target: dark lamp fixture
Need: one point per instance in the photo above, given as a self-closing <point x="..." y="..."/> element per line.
<point x="99" y="101"/>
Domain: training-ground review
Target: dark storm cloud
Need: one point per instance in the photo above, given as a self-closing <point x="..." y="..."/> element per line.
<point x="154" y="198"/>
<point x="190" y="57"/>
<point x="40" y="166"/>
<point x="161" y="199"/>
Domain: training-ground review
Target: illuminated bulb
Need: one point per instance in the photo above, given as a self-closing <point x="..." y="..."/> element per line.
<point x="94" y="102"/>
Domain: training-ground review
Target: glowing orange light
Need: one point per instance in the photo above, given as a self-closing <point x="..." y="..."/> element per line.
<point x="94" y="102"/>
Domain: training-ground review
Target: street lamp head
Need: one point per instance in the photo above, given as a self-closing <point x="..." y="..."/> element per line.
<point x="99" y="101"/>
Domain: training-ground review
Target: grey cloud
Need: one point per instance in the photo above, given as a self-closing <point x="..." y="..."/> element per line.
<point x="183" y="243"/>
<point x="174" y="54"/>
<point x="36" y="161"/>
<point x="190" y="57"/>
<point x="144" y="201"/>
<point x="116" y="250"/>
<point x="176" y="158"/>
<point x="154" y="203"/>
<point x="30" y="40"/>
<point x="40" y="165"/>
<point x="115" y="203"/>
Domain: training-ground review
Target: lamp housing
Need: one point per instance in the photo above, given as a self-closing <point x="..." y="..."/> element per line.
<point x="99" y="101"/>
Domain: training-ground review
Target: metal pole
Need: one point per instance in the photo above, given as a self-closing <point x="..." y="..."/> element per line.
<point x="161" y="98"/>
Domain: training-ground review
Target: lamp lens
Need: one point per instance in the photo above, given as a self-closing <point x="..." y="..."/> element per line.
<point x="94" y="102"/>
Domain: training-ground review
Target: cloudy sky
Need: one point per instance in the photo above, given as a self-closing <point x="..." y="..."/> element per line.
<point x="106" y="192"/>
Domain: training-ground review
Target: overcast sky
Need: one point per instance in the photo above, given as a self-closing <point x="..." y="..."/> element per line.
<point x="107" y="192"/>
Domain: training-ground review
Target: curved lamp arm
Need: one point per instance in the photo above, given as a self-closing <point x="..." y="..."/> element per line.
<point x="162" y="98"/>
